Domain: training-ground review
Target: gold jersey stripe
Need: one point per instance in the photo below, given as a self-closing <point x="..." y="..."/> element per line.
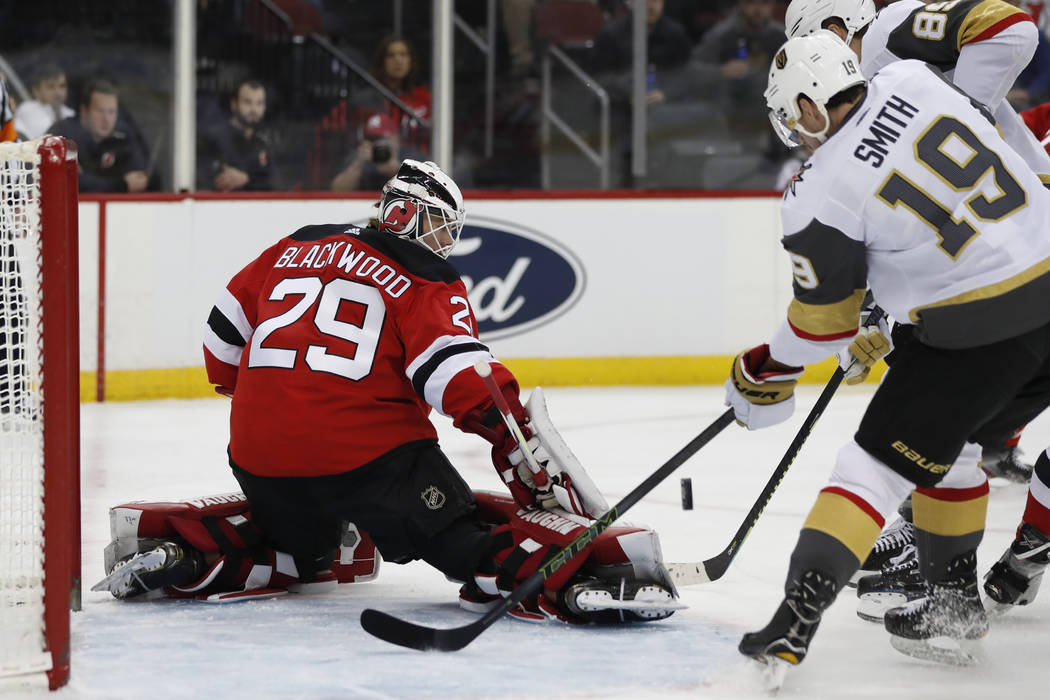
<point x="982" y="17"/>
<point x="837" y="516"/>
<point x="988" y="291"/>
<point x="820" y="320"/>
<point x="949" y="518"/>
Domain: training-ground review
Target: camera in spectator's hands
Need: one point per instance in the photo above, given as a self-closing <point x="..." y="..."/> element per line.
<point x="381" y="131"/>
<point x="381" y="150"/>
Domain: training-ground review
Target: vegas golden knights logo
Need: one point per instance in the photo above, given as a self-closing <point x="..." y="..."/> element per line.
<point x="781" y="59"/>
<point x="433" y="498"/>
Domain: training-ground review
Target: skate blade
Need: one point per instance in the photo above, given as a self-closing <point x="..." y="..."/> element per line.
<point x="942" y="650"/>
<point x="858" y="575"/>
<point x="773" y="670"/>
<point x="121" y="576"/>
<point x="997" y="610"/>
<point x="873" y="606"/>
<point x="646" y="600"/>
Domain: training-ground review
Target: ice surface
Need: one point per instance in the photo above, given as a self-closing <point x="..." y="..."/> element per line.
<point x="313" y="647"/>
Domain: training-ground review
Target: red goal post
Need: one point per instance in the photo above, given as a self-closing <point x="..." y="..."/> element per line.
<point x="39" y="411"/>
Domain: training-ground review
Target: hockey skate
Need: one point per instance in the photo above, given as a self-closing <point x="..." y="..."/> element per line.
<point x="169" y="564"/>
<point x="1015" y="578"/>
<point x="942" y="625"/>
<point x="785" y="641"/>
<point x="1003" y="463"/>
<point x="890" y="545"/>
<point x="898" y="584"/>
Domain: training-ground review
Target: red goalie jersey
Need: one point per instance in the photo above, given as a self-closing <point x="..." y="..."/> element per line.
<point x="335" y="343"/>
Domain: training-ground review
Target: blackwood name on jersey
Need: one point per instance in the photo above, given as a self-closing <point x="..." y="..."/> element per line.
<point x="366" y="330"/>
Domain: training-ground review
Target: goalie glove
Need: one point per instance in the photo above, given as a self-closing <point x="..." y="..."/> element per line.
<point x="761" y="397"/>
<point x="870" y="345"/>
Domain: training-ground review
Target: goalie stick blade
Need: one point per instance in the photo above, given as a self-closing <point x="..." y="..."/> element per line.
<point x="706" y="571"/>
<point x="688" y="574"/>
<point x="412" y="636"/>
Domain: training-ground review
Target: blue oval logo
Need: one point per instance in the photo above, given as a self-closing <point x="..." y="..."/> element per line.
<point x="516" y="278"/>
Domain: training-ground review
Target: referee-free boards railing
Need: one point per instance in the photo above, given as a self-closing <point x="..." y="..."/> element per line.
<point x="548" y="118"/>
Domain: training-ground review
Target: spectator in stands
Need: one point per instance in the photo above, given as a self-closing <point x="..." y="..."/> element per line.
<point x="668" y="91"/>
<point x="735" y="54"/>
<point x="109" y="160"/>
<point x="49" y="89"/>
<point x="668" y="52"/>
<point x="233" y="154"/>
<point x="394" y="65"/>
<point x="379" y="155"/>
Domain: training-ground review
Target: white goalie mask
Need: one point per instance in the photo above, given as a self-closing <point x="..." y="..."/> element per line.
<point x="803" y="17"/>
<point x="423" y="204"/>
<point x="818" y="66"/>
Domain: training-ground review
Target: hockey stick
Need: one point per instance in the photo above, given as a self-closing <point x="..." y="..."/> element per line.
<point x="408" y="634"/>
<point x="689" y="573"/>
<point x="485" y="372"/>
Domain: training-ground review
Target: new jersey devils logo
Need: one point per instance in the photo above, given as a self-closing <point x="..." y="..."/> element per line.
<point x="399" y="216"/>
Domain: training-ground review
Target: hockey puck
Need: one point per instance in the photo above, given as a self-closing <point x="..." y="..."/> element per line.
<point x="687" y="493"/>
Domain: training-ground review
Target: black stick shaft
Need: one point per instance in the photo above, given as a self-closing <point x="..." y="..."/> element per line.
<point x="717" y="565"/>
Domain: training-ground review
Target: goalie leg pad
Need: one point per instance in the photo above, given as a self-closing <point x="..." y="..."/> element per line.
<point x="631" y="550"/>
<point x="220" y="526"/>
<point x="518" y="548"/>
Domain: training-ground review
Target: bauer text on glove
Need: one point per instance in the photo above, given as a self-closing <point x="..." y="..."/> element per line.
<point x="761" y="390"/>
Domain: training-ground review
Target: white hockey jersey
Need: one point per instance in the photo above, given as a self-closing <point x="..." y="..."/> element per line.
<point x="917" y="196"/>
<point x="980" y="45"/>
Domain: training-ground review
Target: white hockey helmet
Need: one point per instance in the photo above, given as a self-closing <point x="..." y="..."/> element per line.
<point x="803" y="17"/>
<point x="421" y="203"/>
<point x="818" y="66"/>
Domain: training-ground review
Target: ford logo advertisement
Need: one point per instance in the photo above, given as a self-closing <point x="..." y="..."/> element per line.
<point x="516" y="278"/>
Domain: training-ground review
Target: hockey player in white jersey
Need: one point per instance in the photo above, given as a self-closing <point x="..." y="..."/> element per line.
<point x="982" y="46"/>
<point x="912" y="192"/>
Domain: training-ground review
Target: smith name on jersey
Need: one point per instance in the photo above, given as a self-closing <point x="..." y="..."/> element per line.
<point x="917" y="195"/>
<point x="384" y="320"/>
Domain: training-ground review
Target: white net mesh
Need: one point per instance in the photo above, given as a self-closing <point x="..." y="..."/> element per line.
<point x="22" y="642"/>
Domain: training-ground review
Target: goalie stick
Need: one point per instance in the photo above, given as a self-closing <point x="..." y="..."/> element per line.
<point x="485" y="372"/>
<point x="408" y="634"/>
<point x="689" y="573"/>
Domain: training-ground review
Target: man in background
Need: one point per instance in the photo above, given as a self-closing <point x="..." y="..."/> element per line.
<point x="49" y="89"/>
<point x="378" y="156"/>
<point x="233" y="154"/>
<point x="109" y="160"/>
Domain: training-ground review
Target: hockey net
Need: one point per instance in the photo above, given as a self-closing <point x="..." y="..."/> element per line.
<point x="39" y="411"/>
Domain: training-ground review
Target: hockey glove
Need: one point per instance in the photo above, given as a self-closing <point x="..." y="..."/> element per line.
<point x="761" y="397"/>
<point x="870" y="345"/>
<point x="507" y="456"/>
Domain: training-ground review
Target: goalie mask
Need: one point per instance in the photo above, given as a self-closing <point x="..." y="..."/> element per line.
<point x="818" y="66"/>
<point x="423" y="204"/>
<point x="803" y="17"/>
